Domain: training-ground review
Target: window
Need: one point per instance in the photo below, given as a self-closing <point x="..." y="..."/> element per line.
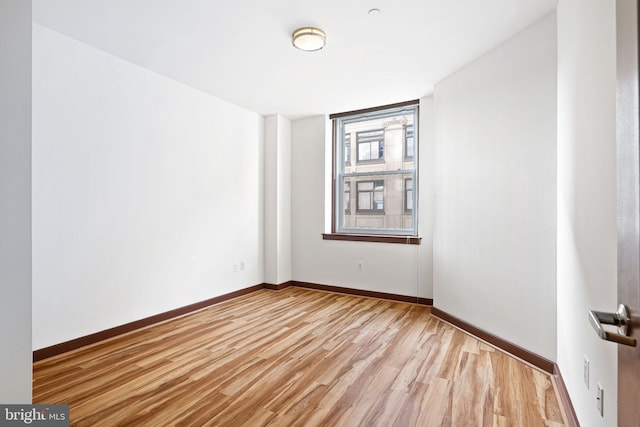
<point x="370" y="197"/>
<point x="408" y="195"/>
<point x="382" y="179"/>
<point x="370" y="145"/>
<point x="347" y="198"/>
<point x="408" y="142"/>
<point x="347" y="149"/>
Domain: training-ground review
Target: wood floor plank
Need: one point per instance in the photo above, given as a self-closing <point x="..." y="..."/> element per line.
<point x="298" y="357"/>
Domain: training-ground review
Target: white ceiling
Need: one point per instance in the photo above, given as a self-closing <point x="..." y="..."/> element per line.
<point x="240" y="50"/>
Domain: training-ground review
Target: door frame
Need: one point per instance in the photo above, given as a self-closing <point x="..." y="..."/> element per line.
<point x="628" y="203"/>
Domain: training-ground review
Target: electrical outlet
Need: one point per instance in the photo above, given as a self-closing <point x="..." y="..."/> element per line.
<point x="236" y="267"/>
<point x="585" y="371"/>
<point x="241" y="265"/>
<point x="600" y="400"/>
<point x="360" y="265"/>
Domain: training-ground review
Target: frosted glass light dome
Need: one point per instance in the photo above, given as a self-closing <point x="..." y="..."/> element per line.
<point x="308" y="38"/>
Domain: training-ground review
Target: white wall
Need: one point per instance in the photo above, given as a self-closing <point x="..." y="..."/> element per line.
<point x="277" y="199"/>
<point x="586" y="200"/>
<point x="145" y="192"/>
<point x="391" y="268"/>
<point x="495" y="232"/>
<point x="15" y="201"/>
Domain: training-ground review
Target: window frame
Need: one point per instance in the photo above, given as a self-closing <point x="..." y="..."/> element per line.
<point x="369" y="140"/>
<point x="405" y="199"/>
<point x="372" y="199"/>
<point x="405" y="236"/>
<point x="347" y="160"/>
<point x="347" y="185"/>
<point x="404" y="143"/>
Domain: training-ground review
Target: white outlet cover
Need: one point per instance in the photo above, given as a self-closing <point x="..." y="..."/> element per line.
<point x="585" y="371"/>
<point x="600" y="400"/>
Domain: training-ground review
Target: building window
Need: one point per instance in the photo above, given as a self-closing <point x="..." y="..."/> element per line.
<point x="347" y="149"/>
<point x="408" y="142"/>
<point x="408" y="195"/>
<point x="370" y="145"/>
<point x="370" y="197"/>
<point x="347" y="198"/>
<point x="382" y="178"/>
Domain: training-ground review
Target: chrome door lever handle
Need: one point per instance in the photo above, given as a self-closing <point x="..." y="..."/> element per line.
<point x="620" y="318"/>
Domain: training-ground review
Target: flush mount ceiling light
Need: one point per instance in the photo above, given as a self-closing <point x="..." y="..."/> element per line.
<point x="308" y="38"/>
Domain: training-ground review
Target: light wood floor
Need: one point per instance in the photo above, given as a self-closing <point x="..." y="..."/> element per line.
<point x="298" y="357"/>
